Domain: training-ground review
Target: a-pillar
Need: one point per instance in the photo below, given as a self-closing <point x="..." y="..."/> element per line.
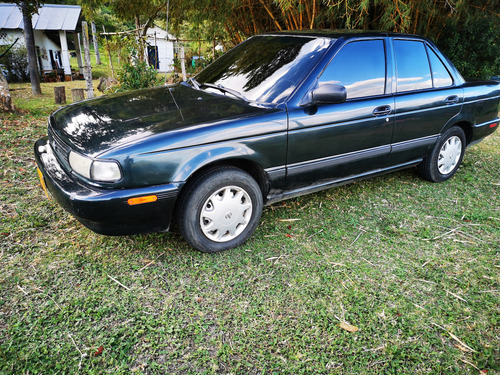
<point x="65" y="53"/>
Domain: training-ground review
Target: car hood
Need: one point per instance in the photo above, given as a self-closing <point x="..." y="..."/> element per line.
<point x="101" y="124"/>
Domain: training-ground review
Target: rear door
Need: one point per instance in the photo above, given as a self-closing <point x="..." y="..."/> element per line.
<point x="426" y="99"/>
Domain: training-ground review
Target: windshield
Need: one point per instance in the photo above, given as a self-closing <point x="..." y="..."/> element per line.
<point x="264" y="69"/>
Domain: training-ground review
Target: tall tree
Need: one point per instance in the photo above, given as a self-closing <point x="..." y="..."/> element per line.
<point x="28" y="8"/>
<point x="240" y="19"/>
<point x="141" y="12"/>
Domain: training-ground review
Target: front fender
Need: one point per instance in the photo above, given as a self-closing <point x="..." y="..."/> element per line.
<point x="267" y="151"/>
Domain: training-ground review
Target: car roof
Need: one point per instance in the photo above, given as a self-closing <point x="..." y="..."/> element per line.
<point x="345" y="34"/>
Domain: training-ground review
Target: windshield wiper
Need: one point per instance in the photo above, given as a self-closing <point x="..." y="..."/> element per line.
<point x="225" y="89"/>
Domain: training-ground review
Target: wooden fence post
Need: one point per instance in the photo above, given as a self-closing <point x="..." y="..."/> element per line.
<point x="96" y="45"/>
<point x="77" y="95"/>
<point x="87" y="69"/>
<point x="183" y="64"/>
<point x="60" y="94"/>
<point x="109" y="53"/>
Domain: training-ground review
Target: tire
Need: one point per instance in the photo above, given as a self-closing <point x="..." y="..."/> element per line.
<point x="445" y="159"/>
<point x="220" y="209"/>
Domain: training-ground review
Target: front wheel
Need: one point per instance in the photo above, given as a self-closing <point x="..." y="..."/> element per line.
<point x="220" y="209"/>
<point x="444" y="160"/>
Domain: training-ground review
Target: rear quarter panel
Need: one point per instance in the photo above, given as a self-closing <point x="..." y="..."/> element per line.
<point x="482" y="100"/>
<point x="481" y="107"/>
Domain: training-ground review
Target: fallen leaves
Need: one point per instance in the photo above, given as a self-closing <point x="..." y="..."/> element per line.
<point x="99" y="351"/>
<point x="348" y="327"/>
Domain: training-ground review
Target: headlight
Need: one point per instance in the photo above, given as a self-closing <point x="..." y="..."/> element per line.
<point x="97" y="170"/>
<point x="105" y="171"/>
<point x="80" y="164"/>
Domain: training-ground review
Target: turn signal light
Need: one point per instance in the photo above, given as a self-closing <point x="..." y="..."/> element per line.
<point x="141" y="200"/>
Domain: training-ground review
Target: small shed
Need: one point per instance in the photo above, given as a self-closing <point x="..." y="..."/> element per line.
<point x="160" y="49"/>
<point x="51" y="26"/>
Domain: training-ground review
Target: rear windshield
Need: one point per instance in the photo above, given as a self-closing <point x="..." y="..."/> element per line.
<point x="266" y="68"/>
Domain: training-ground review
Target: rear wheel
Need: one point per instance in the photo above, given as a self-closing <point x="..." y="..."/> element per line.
<point x="220" y="209"/>
<point x="446" y="157"/>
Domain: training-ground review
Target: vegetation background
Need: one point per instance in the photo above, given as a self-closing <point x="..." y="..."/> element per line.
<point x="466" y="30"/>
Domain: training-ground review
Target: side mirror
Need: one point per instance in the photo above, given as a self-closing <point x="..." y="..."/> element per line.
<point x="327" y="93"/>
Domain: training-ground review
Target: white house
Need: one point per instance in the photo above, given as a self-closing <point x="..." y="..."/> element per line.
<point x="160" y="51"/>
<point x="50" y="27"/>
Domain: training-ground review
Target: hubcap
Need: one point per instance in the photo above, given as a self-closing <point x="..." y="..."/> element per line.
<point x="449" y="155"/>
<point x="226" y="214"/>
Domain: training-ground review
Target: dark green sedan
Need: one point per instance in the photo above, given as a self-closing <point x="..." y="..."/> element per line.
<point x="278" y="116"/>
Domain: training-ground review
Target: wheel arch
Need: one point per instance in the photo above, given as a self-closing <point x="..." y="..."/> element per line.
<point x="466" y="126"/>
<point x="248" y="166"/>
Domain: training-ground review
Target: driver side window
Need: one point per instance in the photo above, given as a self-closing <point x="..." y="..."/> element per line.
<point x="359" y="67"/>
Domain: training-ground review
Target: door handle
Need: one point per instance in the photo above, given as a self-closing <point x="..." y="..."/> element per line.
<point x="382" y="110"/>
<point x="453" y="99"/>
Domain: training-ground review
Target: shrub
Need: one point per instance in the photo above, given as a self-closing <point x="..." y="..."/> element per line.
<point x="15" y="64"/>
<point x="137" y="76"/>
<point x="473" y="46"/>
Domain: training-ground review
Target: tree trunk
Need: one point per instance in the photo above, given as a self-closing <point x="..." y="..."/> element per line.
<point x="30" y="46"/>
<point x="5" y="99"/>
<point x="140" y="44"/>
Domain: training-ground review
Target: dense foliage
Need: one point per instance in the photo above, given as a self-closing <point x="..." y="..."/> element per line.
<point x="14" y="63"/>
<point x="137" y="76"/>
<point x="474" y="46"/>
<point x="467" y="30"/>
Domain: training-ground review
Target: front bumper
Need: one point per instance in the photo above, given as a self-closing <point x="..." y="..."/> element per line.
<point x="106" y="211"/>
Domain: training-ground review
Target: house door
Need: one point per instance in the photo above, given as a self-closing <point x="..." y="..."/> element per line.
<point x="153" y="57"/>
<point x="52" y="61"/>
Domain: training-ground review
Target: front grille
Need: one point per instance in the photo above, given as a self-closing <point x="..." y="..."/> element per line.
<point x="61" y="149"/>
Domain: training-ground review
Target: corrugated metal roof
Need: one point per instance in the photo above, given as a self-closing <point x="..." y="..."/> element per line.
<point x="49" y="17"/>
<point x="10" y="16"/>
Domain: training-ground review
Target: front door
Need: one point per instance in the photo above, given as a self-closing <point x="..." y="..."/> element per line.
<point x="330" y="143"/>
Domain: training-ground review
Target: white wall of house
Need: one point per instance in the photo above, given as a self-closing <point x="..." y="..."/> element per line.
<point x="45" y="46"/>
<point x="7" y="37"/>
<point x="165" y="48"/>
<point x="41" y="40"/>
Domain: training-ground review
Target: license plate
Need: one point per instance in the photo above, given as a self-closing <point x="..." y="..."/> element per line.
<point x="42" y="182"/>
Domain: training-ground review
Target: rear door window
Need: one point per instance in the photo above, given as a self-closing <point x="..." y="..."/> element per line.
<point x="440" y="75"/>
<point x="412" y="66"/>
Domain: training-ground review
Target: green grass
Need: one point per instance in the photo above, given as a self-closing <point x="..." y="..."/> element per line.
<point x="413" y="265"/>
<point x="99" y="70"/>
<point x="44" y="104"/>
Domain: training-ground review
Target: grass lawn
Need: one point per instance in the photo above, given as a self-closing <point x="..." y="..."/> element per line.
<point x="414" y="266"/>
